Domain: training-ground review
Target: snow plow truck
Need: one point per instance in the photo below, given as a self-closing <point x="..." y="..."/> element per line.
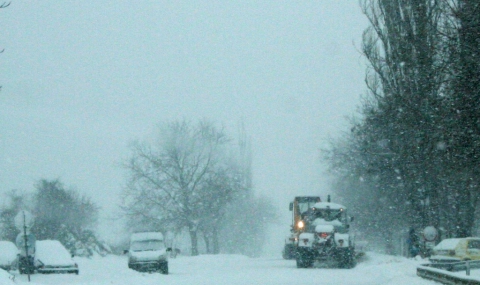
<point x="325" y="237"/>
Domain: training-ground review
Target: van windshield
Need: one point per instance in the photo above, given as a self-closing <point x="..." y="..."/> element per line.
<point x="144" y="245"/>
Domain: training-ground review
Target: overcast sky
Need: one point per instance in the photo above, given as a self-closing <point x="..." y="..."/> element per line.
<point x="82" y="79"/>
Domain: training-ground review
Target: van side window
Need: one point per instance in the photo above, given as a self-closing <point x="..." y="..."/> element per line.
<point x="474" y="244"/>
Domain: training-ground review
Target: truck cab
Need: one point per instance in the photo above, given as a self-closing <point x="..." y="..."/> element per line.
<point x="299" y="207"/>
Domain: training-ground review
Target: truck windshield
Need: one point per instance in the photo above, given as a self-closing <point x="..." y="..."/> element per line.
<point x="304" y="206"/>
<point x="305" y="203"/>
<point x="144" y="245"/>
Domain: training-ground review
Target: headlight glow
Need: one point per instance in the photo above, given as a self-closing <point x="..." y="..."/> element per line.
<point x="300" y="224"/>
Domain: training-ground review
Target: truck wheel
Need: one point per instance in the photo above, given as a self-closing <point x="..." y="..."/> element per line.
<point x="304" y="259"/>
<point x="305" y="263"/>
<point x="288" y="252"/>
<point x="300" y="263"/>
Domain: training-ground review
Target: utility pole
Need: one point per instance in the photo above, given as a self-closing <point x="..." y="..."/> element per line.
<point x="24" y="222"/>
<point x="26" y="245"/>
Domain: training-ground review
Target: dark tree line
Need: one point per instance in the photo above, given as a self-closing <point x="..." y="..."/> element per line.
<point x="190" y="180"/>
<point x="411" y="158"/>
<point x="59" y="214"/>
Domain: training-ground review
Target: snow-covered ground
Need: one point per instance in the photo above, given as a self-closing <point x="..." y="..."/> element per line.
<point x="474" y="274"/>
<point x="235" y="269"/>
<point x="6" y="278"/>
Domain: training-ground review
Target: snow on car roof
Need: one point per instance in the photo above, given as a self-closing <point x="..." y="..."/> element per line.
<point x="324" y="205"/>
<point x="146" y="236"/>
<point x="52" y="252"/>
<point x="8" y="252"/>
<point x="449" y="243"/>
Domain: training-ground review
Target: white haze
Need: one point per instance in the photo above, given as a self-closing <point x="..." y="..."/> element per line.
<point x="82" y="79"/>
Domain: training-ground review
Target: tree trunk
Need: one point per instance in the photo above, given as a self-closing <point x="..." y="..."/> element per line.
<point x="206" y="238"/>
<point x="194" y="242"/>
<point x="389" y="247"/>
<point x="216" y="245"/>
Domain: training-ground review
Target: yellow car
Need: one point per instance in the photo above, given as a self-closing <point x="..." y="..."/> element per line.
<point x="456" y="249"/>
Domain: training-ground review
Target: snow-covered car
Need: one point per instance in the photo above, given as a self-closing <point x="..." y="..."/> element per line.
<point x="52" y="257"/>
<point x="148" y="252"/>
<point x="8" y="254"/>
<point x="456" y="249"/>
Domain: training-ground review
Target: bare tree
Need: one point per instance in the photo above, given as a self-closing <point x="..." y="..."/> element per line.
<point x="177" y="182"/>
<point x="217" y="192"/>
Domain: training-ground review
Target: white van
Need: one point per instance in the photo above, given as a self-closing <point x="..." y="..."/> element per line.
<point x="148" y="252"/>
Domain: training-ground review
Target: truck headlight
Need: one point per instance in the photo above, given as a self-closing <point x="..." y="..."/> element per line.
<point x="301" y="224"/>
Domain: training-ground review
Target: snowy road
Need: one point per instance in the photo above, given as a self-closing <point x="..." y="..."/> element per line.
<point x="235" y="269"/>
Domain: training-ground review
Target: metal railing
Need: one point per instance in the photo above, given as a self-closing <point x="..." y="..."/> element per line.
<point x="442" y="272"/>
<point x="456" y="265"/>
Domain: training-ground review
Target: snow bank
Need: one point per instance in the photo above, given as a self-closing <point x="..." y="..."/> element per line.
<point x="6" y="278"/>
<point x="8" y="252"/>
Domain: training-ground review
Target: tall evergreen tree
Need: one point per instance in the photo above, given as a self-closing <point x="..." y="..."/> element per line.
<point x="464" y="124"/>
<point x="62" y="214"/>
